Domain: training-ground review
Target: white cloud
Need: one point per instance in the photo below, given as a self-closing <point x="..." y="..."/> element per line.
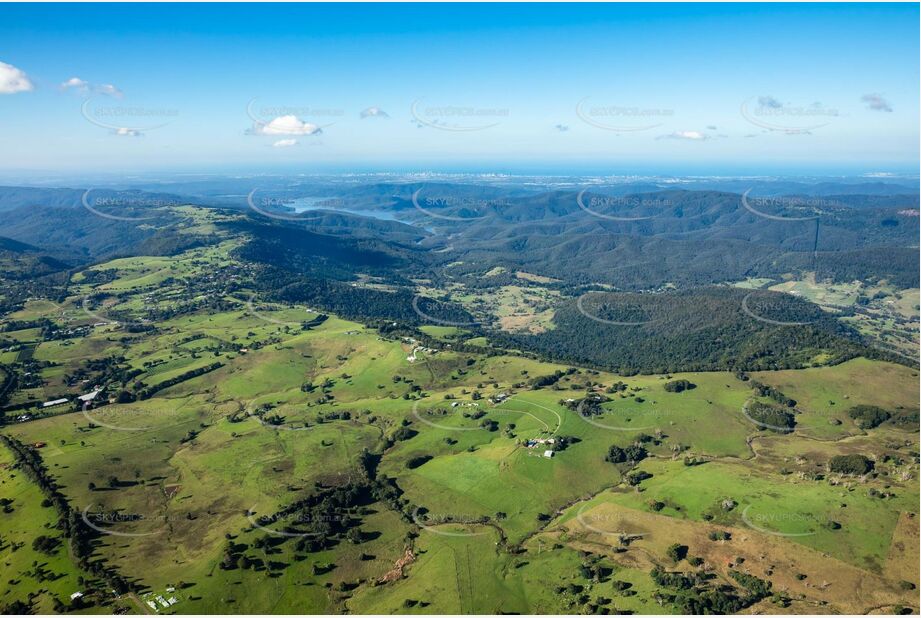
<point x="374" y="112"/>
<point x="285" y="143"/>
<point x="13" y="80"/>
<point x="769" y="101"/>
<point x="562" y="128"/>
<point x="75" y="83"/>
<point x="108" y="89"/>
<point x="876" y="102"/>
<point x="688" y="135"/>
<point x="285" y="125"/>
<point x="82" y="86"/>
<point x="126" y="132"/>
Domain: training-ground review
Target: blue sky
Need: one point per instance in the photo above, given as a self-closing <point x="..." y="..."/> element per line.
<point x="677" y="88"/>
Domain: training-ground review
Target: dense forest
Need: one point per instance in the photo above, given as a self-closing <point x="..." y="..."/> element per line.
<point x="696" y="330"/>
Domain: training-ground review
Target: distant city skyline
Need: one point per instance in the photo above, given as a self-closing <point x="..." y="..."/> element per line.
<point x="550" y="88"/>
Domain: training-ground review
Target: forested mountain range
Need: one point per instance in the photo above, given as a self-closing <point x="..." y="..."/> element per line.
<point x="683" y="245"/>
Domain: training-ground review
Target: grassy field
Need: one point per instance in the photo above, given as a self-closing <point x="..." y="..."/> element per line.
<point x="800" y="574"/>
<point x="824" y="294"/>
<point x="795" y="508"/>
<point x="514" y="308"/>
<point x="479" y="522"/>
<point x="825" y="394"/>
<point x="30" y="573"/>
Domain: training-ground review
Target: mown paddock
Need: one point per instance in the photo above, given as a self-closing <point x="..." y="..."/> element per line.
<point x="502" y="476"/>
<point x="778" y="504"/>
<point x="451" y="575"/>
<point x="845" y="588"/>
<point x="291" y="586"/>
<point x="36" y="308"/>
<point x="465" y="574"/>
<point x="707" y="418"/>
<point x="826" y="393"/>
<point x="188" y="496"/>
<point x="22" y="525"/>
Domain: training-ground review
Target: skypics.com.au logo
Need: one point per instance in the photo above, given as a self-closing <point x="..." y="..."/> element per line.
<point x="456" y="118"/>
<point x="620" y="118"/>
<point x="126" y="120"/>
<point x="769" y="114"/>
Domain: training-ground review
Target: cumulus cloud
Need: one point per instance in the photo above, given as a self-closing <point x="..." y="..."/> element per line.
<point x="694" y="136"/>
<point x="76" y="83"/>
<point x="374" y="112"/>
<point x="13" y="80"/>
<point x="108" y="89"/>
<point x="285" y="125"/>
<point x="285" y="143"/>
<point x="126" y="132"/>
<point x="876" y="102"/>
